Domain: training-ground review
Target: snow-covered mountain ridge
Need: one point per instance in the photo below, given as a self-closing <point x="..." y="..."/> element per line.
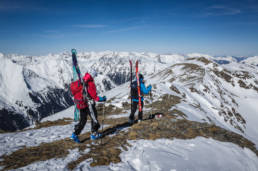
<point x="201" y="90"/>
<point x="33" y="87"/>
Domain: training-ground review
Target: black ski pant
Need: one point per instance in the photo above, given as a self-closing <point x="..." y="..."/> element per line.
<point x="134" y="108"/>
<point x="83" y="119"/>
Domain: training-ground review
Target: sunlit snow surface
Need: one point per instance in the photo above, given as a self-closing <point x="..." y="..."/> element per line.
<point x="199" y="154"/>
<point x="68" y="113"/>
<point x="195" y="154"/>
<point x="10" y="142"/>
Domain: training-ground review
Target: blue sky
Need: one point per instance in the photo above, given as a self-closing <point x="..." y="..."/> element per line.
<point x="216" y="27"/>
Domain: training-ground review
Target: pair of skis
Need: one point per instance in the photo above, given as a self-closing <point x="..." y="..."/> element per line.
<point x="138" y="84"/>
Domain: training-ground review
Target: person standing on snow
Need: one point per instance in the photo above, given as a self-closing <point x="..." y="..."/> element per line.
<point x="135" y="97"/>
<point x="82" y="104"/>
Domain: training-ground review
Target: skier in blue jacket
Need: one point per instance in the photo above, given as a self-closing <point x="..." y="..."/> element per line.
<point x="135" y="97"/>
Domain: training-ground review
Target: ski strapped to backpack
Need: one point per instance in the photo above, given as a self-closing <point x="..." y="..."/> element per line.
<point x="76" y="68"/>
<point x="75" y="77"/>
<point x="138" y="87"/>
<point x="131" y="79"/>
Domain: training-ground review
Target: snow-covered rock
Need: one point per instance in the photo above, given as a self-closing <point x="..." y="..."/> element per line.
<point x="251" y="61"/>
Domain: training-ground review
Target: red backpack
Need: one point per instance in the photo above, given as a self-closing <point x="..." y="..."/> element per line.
<point x="77" y="91"/>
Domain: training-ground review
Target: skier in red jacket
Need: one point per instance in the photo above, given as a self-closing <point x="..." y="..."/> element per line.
<point x="82" y="104"/>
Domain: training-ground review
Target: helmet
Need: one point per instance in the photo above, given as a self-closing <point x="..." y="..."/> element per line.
<point x="141" y="77"/>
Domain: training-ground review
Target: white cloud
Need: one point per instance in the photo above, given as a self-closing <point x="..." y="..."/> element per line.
<point x="219" y="10"/>
<point x="14" y="6"/>
<point x="90" y="26"/>
<point x="8" y="8"/>
<point x="125" y="29"/>
<point x="51" y="34"/>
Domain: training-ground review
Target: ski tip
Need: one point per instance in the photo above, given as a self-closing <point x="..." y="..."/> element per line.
<point x="136" y="64"/>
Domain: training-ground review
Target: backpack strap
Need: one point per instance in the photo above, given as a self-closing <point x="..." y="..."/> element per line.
<point x="85" y="93"/>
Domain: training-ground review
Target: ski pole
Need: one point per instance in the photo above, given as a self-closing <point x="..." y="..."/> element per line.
<point x="151" y="103"/>
<point x="103" y="119"/>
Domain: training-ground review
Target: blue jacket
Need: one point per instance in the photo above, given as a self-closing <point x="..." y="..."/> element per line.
<point x="144" y="90"/>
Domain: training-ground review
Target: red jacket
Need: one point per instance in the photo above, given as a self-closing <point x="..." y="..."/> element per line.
<point x="77" y="91"/>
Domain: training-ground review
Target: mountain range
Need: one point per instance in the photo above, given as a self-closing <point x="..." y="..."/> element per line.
<point x="33" y="87"/>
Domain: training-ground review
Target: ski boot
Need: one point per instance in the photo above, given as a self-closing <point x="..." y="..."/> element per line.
<point x="75" y="138"/>
<point x="139" y="119"/>
<point x="131" y="121"/>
